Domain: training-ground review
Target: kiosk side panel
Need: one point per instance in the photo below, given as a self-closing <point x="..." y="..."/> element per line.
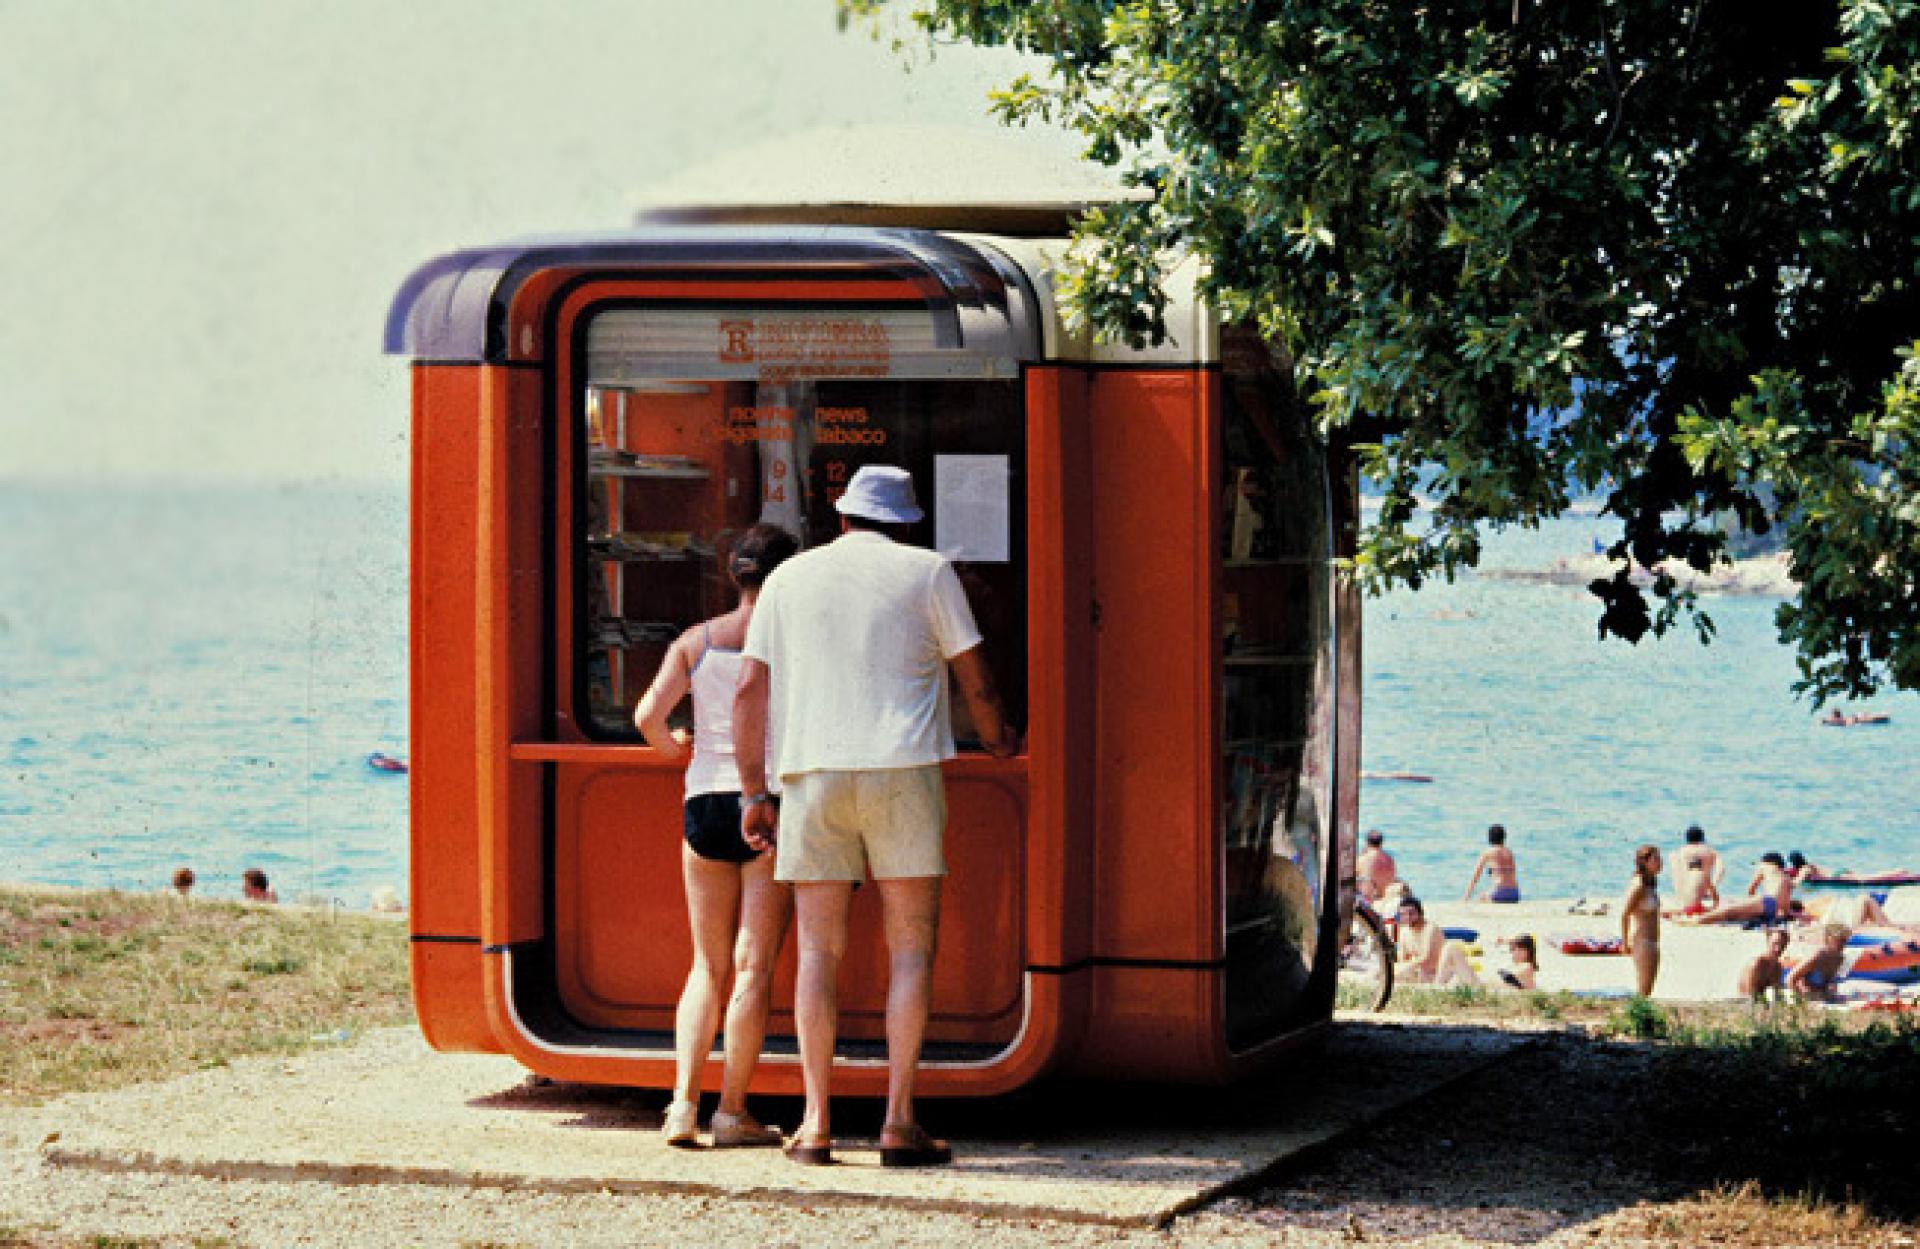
<point x="444" y="847"/>
<point x="1156" y="926"/>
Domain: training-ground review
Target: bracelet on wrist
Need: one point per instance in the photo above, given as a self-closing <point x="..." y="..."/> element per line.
<point x="754" y="800"/>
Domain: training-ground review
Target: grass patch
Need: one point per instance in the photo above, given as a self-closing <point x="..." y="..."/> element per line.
<point x="1787" y="1115"/>
<point x="103" y="989"/>
<point x="1744" y="1214"/>
<point x="1804" y="1106"/>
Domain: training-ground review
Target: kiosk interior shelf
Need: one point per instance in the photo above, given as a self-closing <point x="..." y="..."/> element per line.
<point x="649" y="546"/>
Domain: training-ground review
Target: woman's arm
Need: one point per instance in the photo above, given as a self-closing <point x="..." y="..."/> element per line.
<point x="669" y="687"/>
<point x="1626" y="913"/>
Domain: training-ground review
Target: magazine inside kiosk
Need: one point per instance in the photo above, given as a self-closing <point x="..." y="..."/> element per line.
<point x="1152" y="889"/>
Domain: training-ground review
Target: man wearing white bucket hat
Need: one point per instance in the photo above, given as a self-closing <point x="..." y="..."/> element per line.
<point x="847" y="657"/>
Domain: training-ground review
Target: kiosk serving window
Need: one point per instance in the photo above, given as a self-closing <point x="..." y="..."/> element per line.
<point x="696" y="424"/>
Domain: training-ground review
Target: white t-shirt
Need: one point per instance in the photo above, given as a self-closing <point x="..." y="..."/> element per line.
<point x="855" y="635"/>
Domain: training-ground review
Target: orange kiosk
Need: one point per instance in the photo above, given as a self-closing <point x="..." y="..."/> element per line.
<point x="1154" y="890"/>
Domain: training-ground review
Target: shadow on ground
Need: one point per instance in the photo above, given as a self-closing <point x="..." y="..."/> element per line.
<point x="1576" y="1129"/>
<point x="1556" y="1134"/>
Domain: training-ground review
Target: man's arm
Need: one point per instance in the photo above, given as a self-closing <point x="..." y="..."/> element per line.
<point x="759" y="819"/>
<point x="983" y="702"/>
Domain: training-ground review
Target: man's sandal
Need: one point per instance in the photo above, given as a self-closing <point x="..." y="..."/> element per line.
<point x="731" y="1131"/>
<point x="810" y="1151"/>
<point x="913" y="1147"/>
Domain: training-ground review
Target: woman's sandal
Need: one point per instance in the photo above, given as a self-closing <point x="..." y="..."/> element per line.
<point x="915" y="1147"/>
<point x="731" y="1131"/>
<point x="810" y="1151"/>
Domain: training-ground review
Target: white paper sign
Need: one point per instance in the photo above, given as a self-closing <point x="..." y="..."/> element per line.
<point x="970" y="509"/>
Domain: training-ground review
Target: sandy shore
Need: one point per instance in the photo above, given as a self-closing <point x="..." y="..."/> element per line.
<point x="1698" y="963"/>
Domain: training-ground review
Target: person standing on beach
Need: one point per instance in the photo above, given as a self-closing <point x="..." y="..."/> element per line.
<point x="848" y="656"/>
<point x="254" y="886"/>
<point x="1640" y="919"/>
<point x="1697" y="871"/>
<point x="183" y="881"/>
<point x="1375" y="868"/>
<point x="1503" y="877"/>
<point x="737" y="913"/>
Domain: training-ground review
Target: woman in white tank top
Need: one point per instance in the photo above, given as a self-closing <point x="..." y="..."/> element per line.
<point x="738" y="914"/>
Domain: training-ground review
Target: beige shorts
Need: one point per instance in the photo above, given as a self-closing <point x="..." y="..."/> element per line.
<point x="837" y="825"/>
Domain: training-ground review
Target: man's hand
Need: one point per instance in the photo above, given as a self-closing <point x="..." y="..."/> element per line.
<point x="759" y="824"/>
<point x="1000" y="738"/>
<point x="1007" y="744"/>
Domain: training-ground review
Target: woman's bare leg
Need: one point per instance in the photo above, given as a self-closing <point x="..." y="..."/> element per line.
<point x="713" y="911"/>
<point x="766" y="906"/>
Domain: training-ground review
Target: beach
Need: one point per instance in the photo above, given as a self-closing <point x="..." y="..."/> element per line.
<point x="1698" y="962"/>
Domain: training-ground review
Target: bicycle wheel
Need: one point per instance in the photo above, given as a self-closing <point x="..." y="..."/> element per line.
<point x="1366" y="963"/>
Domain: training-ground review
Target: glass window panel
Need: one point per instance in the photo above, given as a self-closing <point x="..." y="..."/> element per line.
<point x="1276" y="691"/>
<point x="677" y="467"/>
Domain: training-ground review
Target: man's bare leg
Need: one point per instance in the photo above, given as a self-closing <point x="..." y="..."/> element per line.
<point x="820" y="911"/>
<point x="910" y="908"/>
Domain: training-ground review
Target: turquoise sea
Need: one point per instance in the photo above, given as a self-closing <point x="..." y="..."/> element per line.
<point x="198" y="675"/>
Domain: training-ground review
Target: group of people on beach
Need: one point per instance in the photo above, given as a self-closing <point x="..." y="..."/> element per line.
<point x="820" y="720"/>
<point x="1426" y="957"/>
<point x="1423" y="953"/>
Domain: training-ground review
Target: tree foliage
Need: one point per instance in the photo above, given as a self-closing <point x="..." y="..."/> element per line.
<point x="1663" y="251"/>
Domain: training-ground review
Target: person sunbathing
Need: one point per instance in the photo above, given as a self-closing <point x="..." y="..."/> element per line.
<point x="1525" y="971"/>
<point x="1761" y="977"/>
<point x="1817" y="977"/>
<point x="1769" y="898"/>
<point x="1417" y="942"/>
<point x="1857" y="912"/>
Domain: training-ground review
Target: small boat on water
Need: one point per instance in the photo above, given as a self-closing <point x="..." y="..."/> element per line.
<point x="1859" y="880"/>
<point x="385" y="763"/>
<point x="1417" y="778"/>
<point x="1839" y="720"/>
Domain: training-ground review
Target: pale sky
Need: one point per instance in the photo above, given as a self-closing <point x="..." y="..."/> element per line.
<point x="206" y="205"/>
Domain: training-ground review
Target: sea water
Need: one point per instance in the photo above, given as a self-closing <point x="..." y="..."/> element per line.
<point x="1584" y="749"/>
<point x="197" y="676"/>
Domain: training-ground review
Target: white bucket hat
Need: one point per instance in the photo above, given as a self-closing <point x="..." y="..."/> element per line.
<point x="881" y="492"/>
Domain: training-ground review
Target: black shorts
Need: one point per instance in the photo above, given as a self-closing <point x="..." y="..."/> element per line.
<point x="712" y="827"/>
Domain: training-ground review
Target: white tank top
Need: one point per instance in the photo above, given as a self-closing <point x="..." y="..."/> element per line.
<point x="713" y="768"/>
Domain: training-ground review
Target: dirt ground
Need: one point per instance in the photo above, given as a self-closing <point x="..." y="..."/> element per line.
<point x="1572" y="1140"/>
<point x="1596" y="1142"/>
<point x="1542" y="1142"/>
